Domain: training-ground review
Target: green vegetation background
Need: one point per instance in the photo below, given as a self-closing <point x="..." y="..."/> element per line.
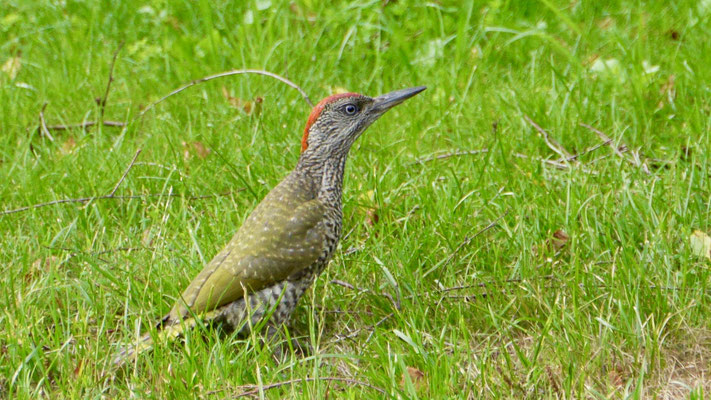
<point x="617" y="306"/>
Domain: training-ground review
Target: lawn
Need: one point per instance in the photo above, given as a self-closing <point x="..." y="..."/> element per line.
<point x="522" y="229"/>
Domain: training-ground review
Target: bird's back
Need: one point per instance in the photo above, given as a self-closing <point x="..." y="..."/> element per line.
<point x="282" y="235"/>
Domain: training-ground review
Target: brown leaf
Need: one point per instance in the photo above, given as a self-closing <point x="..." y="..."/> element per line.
<point x="669" y="87"/>
<point x="553" y="244"/>
<point x="79" y="368"/>
<point x="196" y="148"/>
<point x="45" y="263"/>
<point x="371" y="216"/>
<point x="559" y="239"/>
<point x="68" y="146"/>
<point x="590" y="60"/>
<point x="248" y="106"/>
<point x="12" y="67"/>
<point x="617" y="376"/>
<point x="309" y="16"/>
<point x="605" y="23"/>
<point x="686" y="153"/>
<point x="201" y="150"/>
<point x="258" y="105"/>
<point x="40" y="267"/>
<point x="417" y="378"/>
<point x="234" y="101"/>
<point x="173" y="22"/>
<point x="295" y="9"/>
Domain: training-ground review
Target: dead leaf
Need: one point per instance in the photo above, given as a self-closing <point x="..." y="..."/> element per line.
<point x="79" y="368"/>
<point x="553" y="244"/>
<point x="371" y="216"/>
<point x="173" y="22"/>
<point x="147" y="238"/>
<point x="68" y="146"/>
<point x="669" y="87"/>
<point x="40" y="267"/>
<point x="417" y="378"/>
<point x="686" y="153"/>
<point x="559" y="239"/>
<point x="590" y="60"/>
<point x="258" y="105"/>
<point x="605" y="23"/>
<point x="196" y="148"/>
<point x="248" y="106"/>
<point x="700" y="244"/>
<point x="295" y="9"/>
<point x="45" y="263"/>
<point x="12" y="67"/>
<point x="553" y="379"/>
<point x="616" y="376"/>
<point x="186" y="151"/>
<point x="309" y="16"/>
<point x="201" y="150"/>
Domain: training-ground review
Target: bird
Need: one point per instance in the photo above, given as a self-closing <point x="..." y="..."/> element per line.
<point x="287" y="240"/>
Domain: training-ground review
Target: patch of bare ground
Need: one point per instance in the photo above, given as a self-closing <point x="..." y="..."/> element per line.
<point x="685" y="367"/>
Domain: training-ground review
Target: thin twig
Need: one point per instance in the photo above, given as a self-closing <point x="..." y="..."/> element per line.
<point x="637" y="161"/>
<point x="221" y="75"/>
<point x="258" y="388"/>
<point x="448" y="155"/>
<point x="84" y="125"/>
<point x="345" y="285"/>
<point x="126" y="197"/>
<point x="43" y="124"/>
<point x="491" y="283"/>
<point x="76" y="252"/>
<point x="370" y="328"/>
<point x="606" y="139"/>
<point x="135" y="156"/>
<point x="102" y="107"/>
<point x="633" y="160"/>
<point x="377" y="324"/>
<point x="550" y="142"/>
<point x="390" y="297"/>
<point x="353" y="249"/>
<point x="588" y="150"/>
<point x="102" y="101"/>
<point x="552" y="163"/>
<point x="396" y="303"/>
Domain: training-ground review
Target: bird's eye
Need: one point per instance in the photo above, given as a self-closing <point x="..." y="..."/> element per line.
<point x="350" y="109"/>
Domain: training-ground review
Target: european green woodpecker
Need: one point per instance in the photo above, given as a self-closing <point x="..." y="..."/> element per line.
<point x="290" y="236"/>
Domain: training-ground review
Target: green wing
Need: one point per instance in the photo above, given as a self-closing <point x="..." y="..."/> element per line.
<point x="277" y="240"/>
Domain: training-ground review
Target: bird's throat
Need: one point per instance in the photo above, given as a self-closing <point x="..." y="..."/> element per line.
<point x="331" y="189"/>
<point x="326" y="175"/>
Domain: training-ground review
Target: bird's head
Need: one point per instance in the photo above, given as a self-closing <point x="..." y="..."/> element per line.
<point x="338" y="120"/>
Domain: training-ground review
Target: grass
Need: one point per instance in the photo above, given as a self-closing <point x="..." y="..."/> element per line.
<point x="620" y="311"/>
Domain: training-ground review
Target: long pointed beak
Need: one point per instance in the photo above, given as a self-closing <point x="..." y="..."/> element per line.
<point x="389" y="100"/>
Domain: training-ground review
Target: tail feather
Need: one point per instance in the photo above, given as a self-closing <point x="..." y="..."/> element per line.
<point x="129" y="353"/>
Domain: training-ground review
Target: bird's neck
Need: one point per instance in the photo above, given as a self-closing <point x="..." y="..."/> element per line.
<point x="327" y="176"/>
